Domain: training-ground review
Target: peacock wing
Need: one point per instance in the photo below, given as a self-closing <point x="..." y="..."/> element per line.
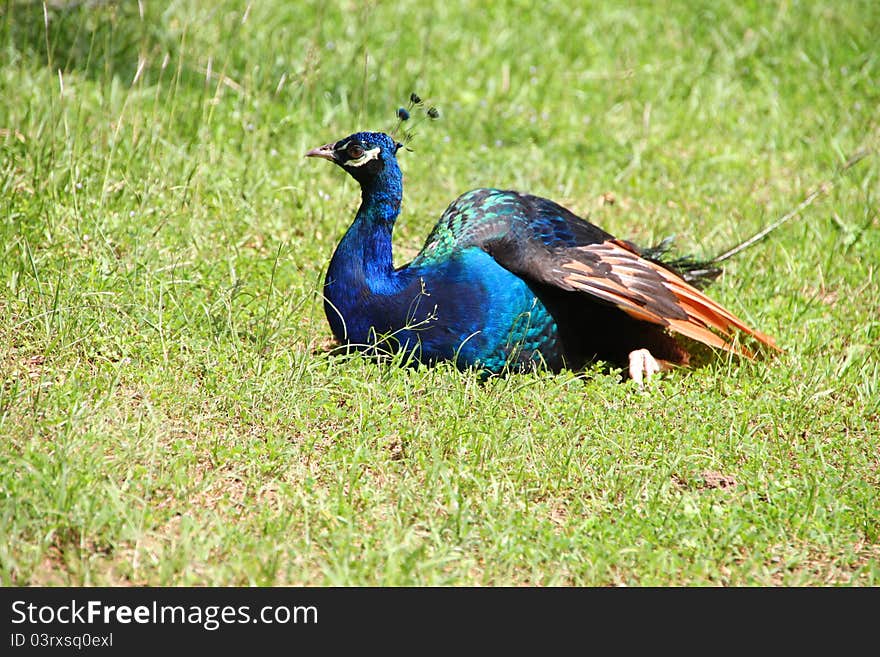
<point x="612" y="271"/>
<point x="542" y="241"/>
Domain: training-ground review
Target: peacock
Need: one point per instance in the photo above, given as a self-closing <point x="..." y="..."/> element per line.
<point x="508" y="281"/>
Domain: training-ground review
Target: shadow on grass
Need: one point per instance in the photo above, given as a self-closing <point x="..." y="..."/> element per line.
<point x="700" y="356"/>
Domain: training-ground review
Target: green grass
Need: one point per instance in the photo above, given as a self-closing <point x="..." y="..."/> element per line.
<point x="169" y="413"/>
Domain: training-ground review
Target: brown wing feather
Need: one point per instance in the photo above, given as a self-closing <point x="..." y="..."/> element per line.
<point x="612" y="271"/>
<point x="692" y="298"/>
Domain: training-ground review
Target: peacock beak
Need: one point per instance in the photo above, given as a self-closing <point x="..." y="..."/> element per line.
<point x="325" y="151"/>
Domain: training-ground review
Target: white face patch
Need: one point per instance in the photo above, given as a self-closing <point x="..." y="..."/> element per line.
<point x="371" y="154"/>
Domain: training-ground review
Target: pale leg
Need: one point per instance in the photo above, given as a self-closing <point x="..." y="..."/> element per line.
<point x="642" y="366"/>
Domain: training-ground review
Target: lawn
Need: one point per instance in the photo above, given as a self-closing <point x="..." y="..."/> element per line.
<point x="170" y="411"/>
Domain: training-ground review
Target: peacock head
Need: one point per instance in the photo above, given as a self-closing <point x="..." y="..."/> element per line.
<point x="365" y="155"/>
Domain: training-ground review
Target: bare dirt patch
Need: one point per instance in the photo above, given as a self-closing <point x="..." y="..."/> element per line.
<point x="713" y="479"/>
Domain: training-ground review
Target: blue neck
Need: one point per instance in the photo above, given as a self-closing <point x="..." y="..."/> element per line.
<point x="370" y="234"/>
<point x="362" y="267"/>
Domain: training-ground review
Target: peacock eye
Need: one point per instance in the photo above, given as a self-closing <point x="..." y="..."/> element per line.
<point x="355" y="150"/>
